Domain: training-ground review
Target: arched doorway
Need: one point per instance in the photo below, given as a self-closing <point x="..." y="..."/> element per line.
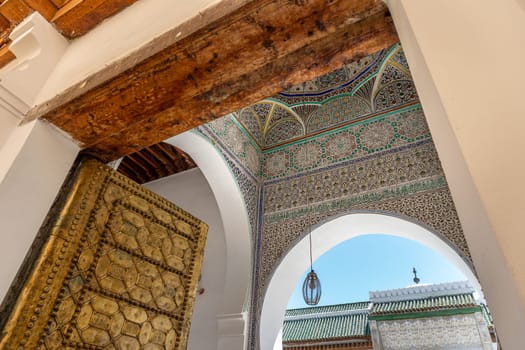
<point x="231" y="333"/>
<point x="327" y="236"/>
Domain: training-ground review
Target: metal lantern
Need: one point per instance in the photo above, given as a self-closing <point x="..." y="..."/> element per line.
<point x="311" y="288"/>
<point x="311" y="284"/>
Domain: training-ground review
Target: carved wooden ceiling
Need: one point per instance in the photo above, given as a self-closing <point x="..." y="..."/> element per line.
<point x="155" y="162"/>
<point x="72" y="18"/>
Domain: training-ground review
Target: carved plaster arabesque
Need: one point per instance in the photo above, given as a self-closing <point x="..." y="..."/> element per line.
<point x="445" y="332"/>
<point x="394" y="169"/>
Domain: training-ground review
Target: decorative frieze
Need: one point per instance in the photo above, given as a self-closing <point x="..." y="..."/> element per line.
<point x="458" y="332"/>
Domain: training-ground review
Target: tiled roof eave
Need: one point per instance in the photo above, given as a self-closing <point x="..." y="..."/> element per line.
<point x="326" y="314"/>
<point x="424" y="309"/>
<point x="331" y="341"/>
<point x="327" y="309"/>
<point x="423" y="314"/>
<point x="421" y="292"/>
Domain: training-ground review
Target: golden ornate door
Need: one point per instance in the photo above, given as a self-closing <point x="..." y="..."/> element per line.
<point x="118" y="270"/>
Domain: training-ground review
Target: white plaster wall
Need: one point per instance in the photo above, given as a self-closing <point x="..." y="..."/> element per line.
<point x="33" y="164"/>
<point x="466" y="57"/>
<point x="8" y="124"/>
<point x="191" y="191"/>
<point x="37" y="47"/>
<point x="234" y="218"/>
<point x="117" y="37"/>
<point x="231" y="318"/>
<point x="522" y="4"/>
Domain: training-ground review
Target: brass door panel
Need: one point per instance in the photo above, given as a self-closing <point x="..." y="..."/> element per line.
<point x="118" y="270"/>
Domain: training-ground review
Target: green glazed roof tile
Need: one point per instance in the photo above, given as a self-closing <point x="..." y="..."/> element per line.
<point x="486" y="314"/>
<point x="326" y="327"/>
<point x="416" y="305"/>
<point x="351" y="320"/>
<point x="327" y="309"/>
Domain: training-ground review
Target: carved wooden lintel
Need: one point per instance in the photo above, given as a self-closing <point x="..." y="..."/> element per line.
<point x="252" y="53"/>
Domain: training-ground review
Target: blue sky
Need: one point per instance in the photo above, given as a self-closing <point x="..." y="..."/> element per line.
<point x="374" y="262"/>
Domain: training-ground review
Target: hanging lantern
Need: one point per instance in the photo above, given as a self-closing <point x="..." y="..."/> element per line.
<point x="311" y="288"/>
<point x="311" y="284"/>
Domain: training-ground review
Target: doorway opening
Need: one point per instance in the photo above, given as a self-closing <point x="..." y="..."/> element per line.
<point x="328" y="235"/>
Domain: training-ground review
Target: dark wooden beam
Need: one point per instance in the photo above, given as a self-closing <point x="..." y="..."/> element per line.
<point x="76" y="17"/>
<point x="5" y="26"/>
<point x="12" y="13"/>
<point x="254" y="52"/>
<point x="45" y="7"/>
<point x="15" y="10"/>
<point x="6" y="55"/>
<point x="59" y="3"/>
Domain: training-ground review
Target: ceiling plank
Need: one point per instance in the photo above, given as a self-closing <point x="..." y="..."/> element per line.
<point x="15" y="10"/>
<point x="45" y="7"/>
<point x="255" y="52"/>
<point x="59" y="3"/>
<point x="5" y="26"/>
<point x="156" y="152"/>
<point x="179" y="159"/>
<point x="132" y="171"/>
<point x="6" y="55"/>
<point x="77" y="17"/>
<point x="155" y="162"/>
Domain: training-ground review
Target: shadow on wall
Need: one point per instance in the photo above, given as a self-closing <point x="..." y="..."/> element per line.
<point x="230" y="318"/>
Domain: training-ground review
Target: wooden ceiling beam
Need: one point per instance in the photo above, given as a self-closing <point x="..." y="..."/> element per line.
<point x="256" y="51"/>
<point x="132" y="171"/>
<point x="165" y="166"/>
<point x="155" y="162"/>
<point x="181" y="160"/>
<point x="139" y="162"/>
<point x="175" y="160"/>
<point x="6" y="55"/>
<point x="12" y="13"/>
<point x="59" y="3"/>
<point x="72" y="18"/>
<point x="15" y="10"/>
<point x="77" y="17"/>
<point x="5" y="26"/>
<point x="45" y="7"/>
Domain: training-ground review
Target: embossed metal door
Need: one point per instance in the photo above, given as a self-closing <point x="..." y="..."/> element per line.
<point x="118" y="270"/>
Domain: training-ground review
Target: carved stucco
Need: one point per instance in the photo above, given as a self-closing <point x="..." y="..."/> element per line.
<point x="458" y="332"/>
<point x="359" y="142"/>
